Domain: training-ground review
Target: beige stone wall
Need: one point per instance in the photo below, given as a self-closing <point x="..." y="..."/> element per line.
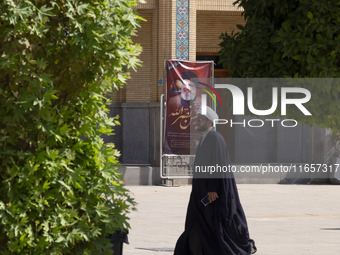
<point x="192" y="30"/>
<point x="216" y="5"/>
<point x="148" y="4"/>
<point x="210" y="26"/>
<point x="139" y="88"/>
<point x="173" y="29"/>
<point x="155" y="36"/>
<point x="166" y="39"/>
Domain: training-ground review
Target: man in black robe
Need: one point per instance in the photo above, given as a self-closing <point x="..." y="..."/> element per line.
<point x="220" y="228"/>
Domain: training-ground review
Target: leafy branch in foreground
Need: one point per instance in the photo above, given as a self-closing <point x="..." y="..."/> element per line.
<point x="60" y="191"/>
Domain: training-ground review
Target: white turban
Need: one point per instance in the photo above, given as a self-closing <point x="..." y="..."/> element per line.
<point x="210" y="114"/>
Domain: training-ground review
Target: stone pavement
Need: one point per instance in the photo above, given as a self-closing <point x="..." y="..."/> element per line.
<point x="282" y="219"/>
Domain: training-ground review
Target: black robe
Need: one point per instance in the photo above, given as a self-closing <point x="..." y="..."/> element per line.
<point x="219" y="228"/>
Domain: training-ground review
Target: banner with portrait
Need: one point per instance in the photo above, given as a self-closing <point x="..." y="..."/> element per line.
<point x="186" y="81"/>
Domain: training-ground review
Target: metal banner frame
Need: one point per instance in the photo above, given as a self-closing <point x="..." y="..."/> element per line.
<point x="173" y="166"/>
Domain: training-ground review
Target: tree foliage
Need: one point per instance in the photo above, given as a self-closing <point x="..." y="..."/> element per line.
<point x="296" y="39"/>
<point x="285" y="39"/>
<point x="60" y="191"/>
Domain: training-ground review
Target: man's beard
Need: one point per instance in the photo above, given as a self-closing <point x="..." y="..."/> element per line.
<point x="202" y="128"/>
<point x="188" y="96"/>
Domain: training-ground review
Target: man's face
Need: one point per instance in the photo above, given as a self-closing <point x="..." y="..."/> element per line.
<point x="202" y="123"/>
<point x="188" y="91"/>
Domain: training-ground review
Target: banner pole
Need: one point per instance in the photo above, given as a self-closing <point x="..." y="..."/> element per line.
<point x="161" y="116"/>
<point x="162" y="120"/>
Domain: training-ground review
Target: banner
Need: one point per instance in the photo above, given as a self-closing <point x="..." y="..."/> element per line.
<point x="185" y="83"/>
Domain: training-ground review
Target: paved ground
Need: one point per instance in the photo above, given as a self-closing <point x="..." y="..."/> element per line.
<point x="282" y="219"/>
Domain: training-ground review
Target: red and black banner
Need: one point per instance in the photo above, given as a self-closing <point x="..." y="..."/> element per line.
<point x="185" y="83"/>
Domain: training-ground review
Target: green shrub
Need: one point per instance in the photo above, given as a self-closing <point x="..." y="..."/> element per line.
<point x="60" y="191"/>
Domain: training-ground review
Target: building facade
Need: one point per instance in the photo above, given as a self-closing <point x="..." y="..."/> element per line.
<point x="173" y="29"/>
<point x="190" y="30"/>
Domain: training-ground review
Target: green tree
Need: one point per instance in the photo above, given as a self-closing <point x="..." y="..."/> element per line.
<point x="285" y="39"/>
<point x="60" y="191"/>
<point x="297" y="39"/>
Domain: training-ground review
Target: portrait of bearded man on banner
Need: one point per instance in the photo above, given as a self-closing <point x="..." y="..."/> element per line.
<point x="189" y="96"/>
<point x="188" y="91"/>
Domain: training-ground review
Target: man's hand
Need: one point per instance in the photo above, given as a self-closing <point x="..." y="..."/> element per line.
<point x="212" y="196"/>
